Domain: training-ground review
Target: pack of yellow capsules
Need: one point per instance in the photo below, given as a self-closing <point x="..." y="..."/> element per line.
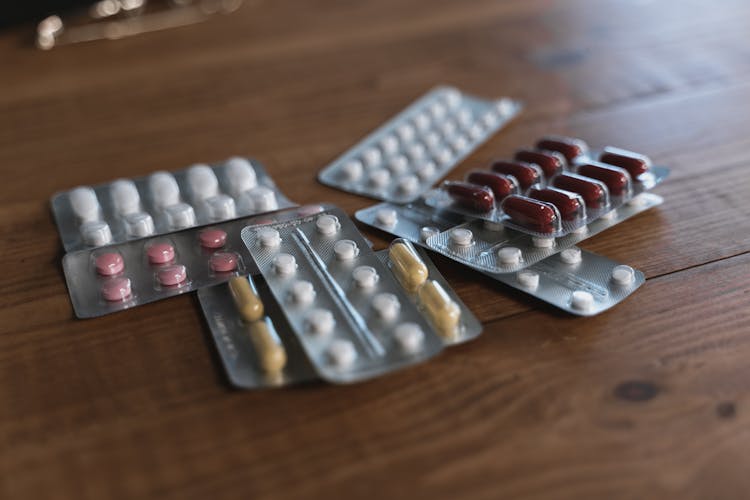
<point x="350" y="313"/>
<point x="402" y="159"/>
<point x="545" y="200"/>
<point x="163" y="202"/>
<point x="575" y="280"/>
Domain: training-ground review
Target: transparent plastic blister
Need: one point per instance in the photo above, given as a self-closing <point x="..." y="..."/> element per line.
<point x="414" y="221"/>
<point x="404" y="157"/>
<point x="163" y="202"/>
<point x="328" y="279"/>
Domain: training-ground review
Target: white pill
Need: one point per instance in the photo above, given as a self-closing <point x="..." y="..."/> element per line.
<point x="425" y="170"/>
<point x="379" y="178"/>
<point x="437" y="110"/>
<point x="423" y="121"/>
<point x="637" y="201"/>
<point x="96" y="233"/>
<point x="261" y="199"/>
<point x="581" y="230"/>
<point x="365" y="276"/>
<point x="180" y="216"/>
<point x="528" y="278"/>
<point x="221" y="207"/>
<point x="509" y="255"/>
<point x="460" y="143"/>
<point x="268" y="237"/>
<point x="372" y="157"/>
<point x="164" y="189"/>
<point x="202" y="181"/>
<point x="571" y="255"/>
<point x="452" y="98"/>
<point x="432" y="140"/>
<point x="504" y="106"/>
<point x="416" y="151"/>
<point x="345" y="250"/>
<point x="406" y="133"/>
<point x="352" y="170"/>
<point x="284" y="264"/>
<point x="327" y="224"/>
<point x="461" y="237"/>
<point x="409" y="337"/>
<point x="240" y="175"/>
<point x="428" y="232"/>
<point x="84" y="203"/>
<point x="490" y="119"/>
<point x="139" y="224"/>
<point x="444" y="156"/>
<point x="389" y="144"/>
<point x="581" y="300"/>
<point x="319" y="322"/>
<point x="341" y="353"/>
<point x="125" y="197"/>
<point x="448" y="128"/>
<point x="398" y="164"/>
<point x="542" y="242"/>
<point x="623" y="275"/>
<point x="386" y="306"/>
<point x="465" y="118"/>
<point x="476" y="132"/>
<point x="608" y="215"/>
<point x="491" y="225"/>
<point x="302" y="292"/>
<point x="408" y="184"/>
<point x="386" y="217"/>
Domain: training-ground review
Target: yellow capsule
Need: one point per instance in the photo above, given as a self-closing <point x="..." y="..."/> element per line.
<point x="268" y="346"/>
<point x="443" y="312"/>
<point x="407" y="266"/>
<point x="246" y="299"/>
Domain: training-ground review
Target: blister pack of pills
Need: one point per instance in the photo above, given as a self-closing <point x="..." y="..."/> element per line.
<point x="353" y="319"/>
<point x="116" y="277"/>
<point x="402" y="159"/>
<point x="163" y="202"/>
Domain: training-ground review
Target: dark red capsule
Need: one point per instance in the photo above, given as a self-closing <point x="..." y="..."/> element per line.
<point x="551" y="162"/>
<point x="594" y="193"/>
<point x="570" y="205"/>
<point x="500" y="184"/>
<point x="526" y="173"/>
<point x="471" y="196"/>
<point x="531" y="214"/>
<point x="570" y="147"/>
<point x="635" y="163"/>
<point x="616" y="179"/>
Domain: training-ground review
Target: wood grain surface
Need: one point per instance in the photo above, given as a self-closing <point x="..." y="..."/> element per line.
<point x="649" y="400"/>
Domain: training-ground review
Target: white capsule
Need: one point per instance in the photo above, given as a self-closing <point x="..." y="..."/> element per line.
<point x="284" y="264"/>
<point x="389" y="144"/>
<point x="180" y="216"/>
<point x="221" y="207"/>
<point x="84" y="203"/>
<point x="240" y="175"/>
<point x="139" y="224"/>
<point x="327" y="224"/>
<point x="365" y="276"/>
<point x="452" y="98"/>
<point x="319" y="322"/>
<point x="261" y="199"/>
<point x="372" y="157"/>
<point x="341" y="353"/>
<point x="571" y="255"/>
<point x="623" y="275"/>
<point x="164" y="189"/>
<point x="465" y="118"/>
<point x="581" y="300"/>
<point x="406" y="133"/>
<point x="345" y="250"/>
<point x="352" y="170"/>
<point x="386" y="306"/>
<point x="432" y="140"/>
<point x="379" y="178"/>
<point x="422" y="122"/>
<point x="386" y="217"/>
<point x="268" y="237"/>
<point x="416" y="151"/>
<point x="96" y="233"/>
<point x="125" y="197"/>
<point x="509" y="255"/>
<point x="425" y="170"/>
<point x="398" y="164"/>
<point x="528" y="279"/>
<point x="542" y="242"/>
<point x="461" y="237"/>
<point x="202" y="181"/>
<point x="409" y="337"/>
<point x="302" y="292"/>
<point x="437" y="110"/>
<point x="428" y="232"/>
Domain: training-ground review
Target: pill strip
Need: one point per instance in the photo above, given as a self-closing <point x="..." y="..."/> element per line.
<point x="163" y="202"/>
<point x="116" y="277"/>
<point x="327" y="278"/>
<point x="403" y="158"/>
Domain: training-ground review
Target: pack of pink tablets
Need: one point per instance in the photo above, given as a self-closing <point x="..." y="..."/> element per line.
<point x="163" y="202"/>
<point x="402" y="159"/>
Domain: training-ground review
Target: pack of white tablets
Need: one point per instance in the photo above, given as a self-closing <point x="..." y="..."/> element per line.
<point x="163" y="202"/>
<point x="352" y="317"/>
<point x="402" y="159"/>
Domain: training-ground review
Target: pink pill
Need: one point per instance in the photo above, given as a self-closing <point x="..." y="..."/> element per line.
<point x="109" y="264"/>
<point x="212" y="238"/>
<point x="160" y="253"/>
<point x="172" y="275"/>
<point x="116" y="289"/>
<point x="223" y="262"/>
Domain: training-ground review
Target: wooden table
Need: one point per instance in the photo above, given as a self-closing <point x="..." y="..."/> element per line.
<point x="649" y="400"/>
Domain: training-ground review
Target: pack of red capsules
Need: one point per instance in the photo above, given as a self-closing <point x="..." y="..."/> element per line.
<point x="552" y="190"/>
<point x="575" y="280"/>
<point x="352" y="317"/>
<point x="402" y="159"/>
<point x="121" y="276"/>
<point x="163" y="202"/>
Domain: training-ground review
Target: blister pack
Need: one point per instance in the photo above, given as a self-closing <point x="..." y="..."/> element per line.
<point x="404" y="157"/>
<point x="163" y="202"/>
<point x="352" y="317"/>
<point x="116" y="277"/>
